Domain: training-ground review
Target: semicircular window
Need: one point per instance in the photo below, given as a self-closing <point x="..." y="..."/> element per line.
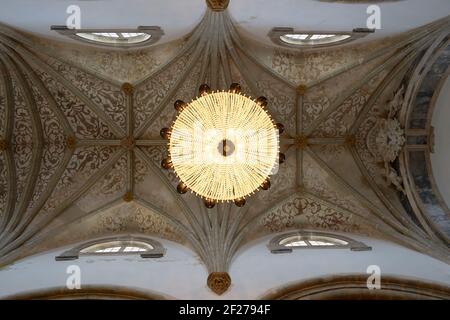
<point x="289" y="37"/>
<point x="313" y="240"/>
<point x="115" y="37"/>
<point x="117" y="247"/>
<point x="313" y="39"/>
<point x="145" y="247"/>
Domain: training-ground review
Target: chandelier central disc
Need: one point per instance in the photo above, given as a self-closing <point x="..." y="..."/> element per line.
<point x="226" y="147"/>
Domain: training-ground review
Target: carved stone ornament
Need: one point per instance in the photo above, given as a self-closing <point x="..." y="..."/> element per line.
<point x="301" y="89"/>
<point x="71" y="142"/>
<point x="127" y="88"/>
<point x="127" y="143"/>
<point x="3" y="144"/>
<point x="217" y="5"/>
<point x="389" y="139"/>
<point x="301" y="142"/>
<point x="386" y="139"/>
<point x="219" y="282"/>
<point x="392" y="178"/>
<point x="395" y="104"/>
<point x="128" y="197"/>
<point x="350" y="140"/>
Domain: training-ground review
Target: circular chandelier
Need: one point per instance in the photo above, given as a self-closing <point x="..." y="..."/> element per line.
<point x="223" y="145"/>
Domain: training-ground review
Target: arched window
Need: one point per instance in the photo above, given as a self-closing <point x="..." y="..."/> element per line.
<point x="115" y="37"/>
<point x="117" y="247"/>
<point x="118" y="38"/>
<point x="312" y="39"/>
<point x="288" y="37"/>
<point x="313" y="240"/>
<point x="145" y="247"/>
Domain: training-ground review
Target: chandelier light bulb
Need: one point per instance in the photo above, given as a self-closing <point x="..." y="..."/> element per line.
<point x="180" y="105"/>
<point x="265" y="185"/>
<point x="280" y="128"/>
<point x="182" y="188"/>
<point x="166" y="164"/>
<point x="165" y="133"/>
<point x="235" y="88"/>
<point x="282" y="158"/>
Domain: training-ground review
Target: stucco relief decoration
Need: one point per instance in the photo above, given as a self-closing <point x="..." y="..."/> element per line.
<point x="386" y="140"/>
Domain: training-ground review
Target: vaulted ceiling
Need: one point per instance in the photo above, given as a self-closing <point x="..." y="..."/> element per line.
<point x="80" y="146"/>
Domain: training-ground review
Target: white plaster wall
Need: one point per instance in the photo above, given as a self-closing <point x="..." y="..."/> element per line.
<point x="440" y="159"/>
<point x="256" y="17"/>
<point x="257" y="271"/>
<point x="254" y="272"/>
<point x="175" y="17"/>
<point x="178" y="274"/>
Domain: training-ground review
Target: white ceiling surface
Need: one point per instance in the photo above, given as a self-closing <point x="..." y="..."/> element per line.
<point x="440" y="158"/>
<point x="259" y="16"/>
<point x="175" y="17"/>
<point x="179" y="273"/>
<point x="255" y="17"/>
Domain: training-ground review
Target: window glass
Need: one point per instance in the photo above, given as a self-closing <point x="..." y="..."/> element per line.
<point x="114" y="247"/>
<point x="312" y="39"/>
<point x="312" y="241"/>
<point x="115" y="37"/>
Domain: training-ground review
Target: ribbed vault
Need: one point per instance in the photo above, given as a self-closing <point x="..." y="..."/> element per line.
<point x="80" y="145"/>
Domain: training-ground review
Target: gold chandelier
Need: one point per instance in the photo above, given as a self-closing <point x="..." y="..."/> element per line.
<point x="223" y="145"/>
